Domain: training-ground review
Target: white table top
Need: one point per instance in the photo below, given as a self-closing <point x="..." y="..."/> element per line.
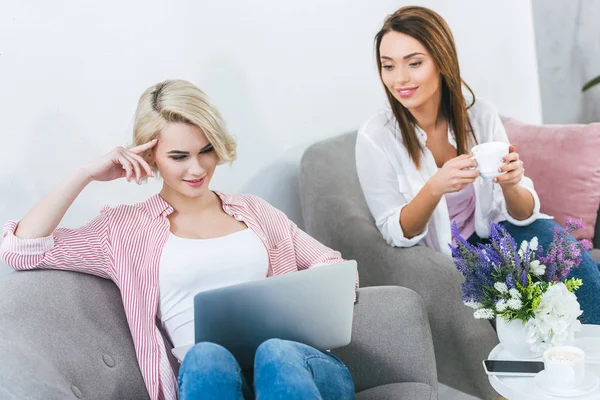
<point x="524" y="388"/>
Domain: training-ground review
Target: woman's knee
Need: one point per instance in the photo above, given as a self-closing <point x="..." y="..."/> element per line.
<point x="275" y="350"/>
<point x="206" y="354"/>
<point x="543" y="225"/>
<point x="272" y="347"/>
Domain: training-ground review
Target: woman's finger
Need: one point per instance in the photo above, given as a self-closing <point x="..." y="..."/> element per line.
<point x="510" y="157"/>
<point x="466" y="162"/>
<point x="510" y="177"/>
<point x="142" y="163"/>
<point x="143" y="147"/>
<point x="136" y="167"/>
<point x="511" y="166"/>
<point x="468" y="173"/>
<point x="126" y="164"/>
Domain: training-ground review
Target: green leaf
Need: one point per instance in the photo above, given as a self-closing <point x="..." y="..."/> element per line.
<point x="573" y="284"/>
<point x="591" y="83"/>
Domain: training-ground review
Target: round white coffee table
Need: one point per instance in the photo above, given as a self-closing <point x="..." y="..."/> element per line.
<point x="524" y="388"/>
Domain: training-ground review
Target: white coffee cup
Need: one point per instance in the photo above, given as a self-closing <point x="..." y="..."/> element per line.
<point x="564" y="366"/>
<point x="489" y="158"/>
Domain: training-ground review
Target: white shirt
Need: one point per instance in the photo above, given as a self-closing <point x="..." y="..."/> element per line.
<point x="390" y="180"/>
<point x="189" y="266"/>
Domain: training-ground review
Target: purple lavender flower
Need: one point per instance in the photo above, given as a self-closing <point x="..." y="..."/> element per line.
<point x="550" y="272"/>
<point x="587" y="245"/>
<point x="472" y="290"/>
<point x="503" y="244"/>
<point x="510" y="281"/>
<point x="573" y="225"/>
<point x="575" y="249"/>
<point x="487" y="253"/>
<point x="483" y="265"/>
<point x="462" y="266"/>
<point x="524" y="281"/>
<point x="483" y="272"/>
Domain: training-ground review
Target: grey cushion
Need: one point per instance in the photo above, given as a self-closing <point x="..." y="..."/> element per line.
<point x="391" y="340"/>
<point x="399" y="391"/>
<point x="596" y="255"/>
<point x="335" y="212"/>
<point x="64" y="337"/>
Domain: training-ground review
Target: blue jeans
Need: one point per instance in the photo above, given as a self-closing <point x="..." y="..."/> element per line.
<point x="588" y="271"/>
<point x="282" y="370"/>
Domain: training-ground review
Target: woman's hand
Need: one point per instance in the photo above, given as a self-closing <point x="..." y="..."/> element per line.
<point x="121" y="163"/>
<point x="513" y="168"/>
<point x="454" y="175"/>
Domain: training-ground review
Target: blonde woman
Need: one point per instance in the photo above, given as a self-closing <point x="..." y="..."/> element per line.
<point x="181" y="241"/>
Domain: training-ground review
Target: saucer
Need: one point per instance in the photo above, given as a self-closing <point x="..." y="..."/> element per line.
<point x="591" y="348"/>
<point x="589" y="384"/>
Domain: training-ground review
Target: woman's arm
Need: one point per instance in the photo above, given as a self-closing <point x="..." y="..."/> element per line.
<point x="45" y="216"/>
<point x="404" y="224"/>
<point x="34" y="242"/>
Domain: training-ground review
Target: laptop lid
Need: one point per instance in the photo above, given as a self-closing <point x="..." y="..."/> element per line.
<point x="313" y="306"/>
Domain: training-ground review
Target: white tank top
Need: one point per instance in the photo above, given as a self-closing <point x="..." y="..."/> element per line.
<point x="189" y="266"/>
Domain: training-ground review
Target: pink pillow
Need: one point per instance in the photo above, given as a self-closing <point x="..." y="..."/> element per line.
<point x="564" y="163"/>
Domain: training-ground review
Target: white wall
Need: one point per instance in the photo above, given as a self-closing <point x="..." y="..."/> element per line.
<point x="285" y="74"/>
<point x="568" y="47"/>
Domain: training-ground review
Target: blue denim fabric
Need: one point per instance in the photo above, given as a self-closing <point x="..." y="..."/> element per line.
<point x="282" y="370"/>
<point x="588" y="271"/>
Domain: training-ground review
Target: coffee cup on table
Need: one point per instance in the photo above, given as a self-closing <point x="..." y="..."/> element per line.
<point x="489" y="157"/>
<point x="564" y="366"/>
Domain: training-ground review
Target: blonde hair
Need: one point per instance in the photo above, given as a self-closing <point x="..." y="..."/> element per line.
<point x="181" y="101"/>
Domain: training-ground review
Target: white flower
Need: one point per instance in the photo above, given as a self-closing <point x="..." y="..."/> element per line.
<point x="473" y="304"/>
<point x="523" y="248"/>
<point x="501" y="287"/>
<point x="484" y="313"/>
<point x="536" y="268"/>
<point x="555" y="321"/>
<point x="533" y="245"/>
<point x="501" y="305"/>
<point x="514" y="304"/>
<point x="514" y="293"/>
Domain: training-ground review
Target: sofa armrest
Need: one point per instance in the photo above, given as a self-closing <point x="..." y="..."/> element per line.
<point x="391" y="339"/>
<point x="335" y="213"/>
<point x="65" y="335"/>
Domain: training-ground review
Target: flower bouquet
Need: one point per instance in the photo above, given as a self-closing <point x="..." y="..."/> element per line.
<point x="526" y="289"/>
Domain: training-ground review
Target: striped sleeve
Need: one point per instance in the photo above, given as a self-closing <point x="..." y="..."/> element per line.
<point x="85" y="249"/>
<point x="312" y="253"/>
<point x="309" y="251"/>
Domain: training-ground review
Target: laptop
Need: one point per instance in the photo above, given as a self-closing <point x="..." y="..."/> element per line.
<point x="313" y="306"/>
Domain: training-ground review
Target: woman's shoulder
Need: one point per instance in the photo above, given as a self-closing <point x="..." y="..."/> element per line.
<point x="381" y="123"/>
<point x="482" y="111"/>
<point x="251" y="203"/>
<point x="124" y="213"/>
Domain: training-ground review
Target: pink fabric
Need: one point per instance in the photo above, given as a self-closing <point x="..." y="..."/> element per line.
<point x="125" y="243"/>
<point x="461" y="207"/>
<point x="564" y="163"/>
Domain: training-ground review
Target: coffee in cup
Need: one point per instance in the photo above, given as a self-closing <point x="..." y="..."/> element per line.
<point x="564" y="366"/>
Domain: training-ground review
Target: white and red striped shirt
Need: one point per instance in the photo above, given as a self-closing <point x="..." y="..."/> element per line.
<point x="125" y="243"/>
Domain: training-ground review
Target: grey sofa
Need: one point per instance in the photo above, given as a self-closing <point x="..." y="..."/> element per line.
<point x="64" y="336"/>
<point x="335" y="212"/>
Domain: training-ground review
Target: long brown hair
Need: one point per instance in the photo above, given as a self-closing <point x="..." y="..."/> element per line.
<point x="432" y="31"/>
